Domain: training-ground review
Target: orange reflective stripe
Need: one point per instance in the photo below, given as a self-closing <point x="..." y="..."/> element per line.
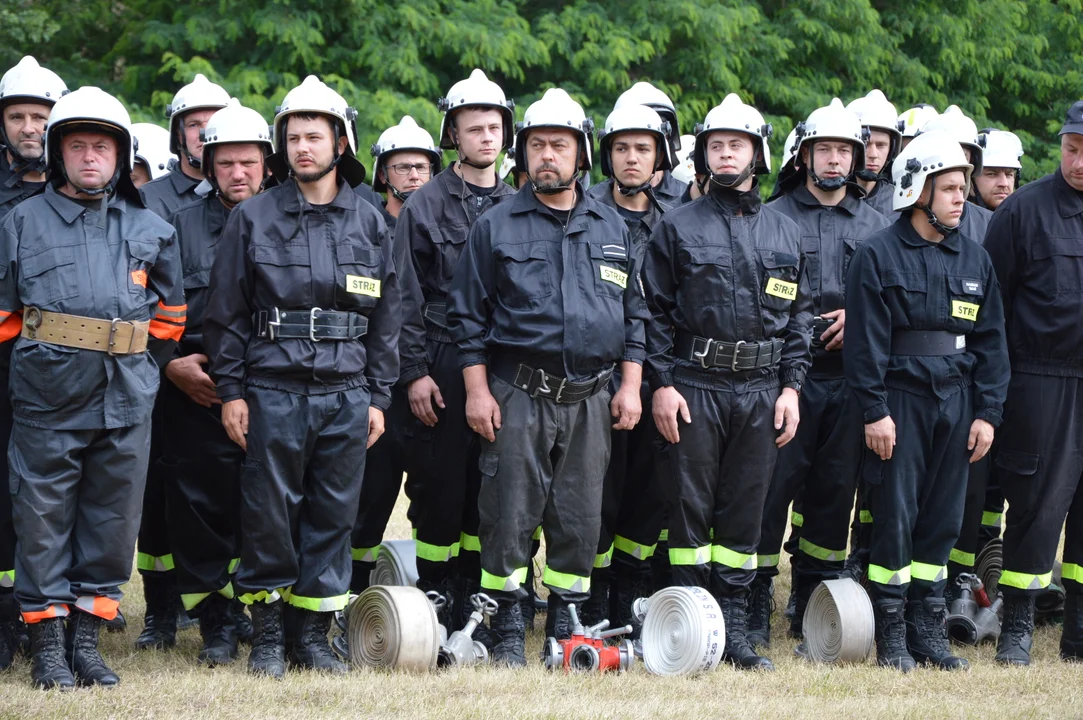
<point x="165" y="331"/>
<point x="11" y="326"/>
<point x="176" y="313"/>
<point x="50" y="612"/>
<point x="172" y="308"/>
<point x="103" y="607"/>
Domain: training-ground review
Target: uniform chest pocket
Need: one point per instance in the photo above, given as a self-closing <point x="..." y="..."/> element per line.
<point x="810" y="246"/>
<point x="361" y="281"/>
<point x="849" y="246"/>
<point x="965" y="296"/>
<point x="610" y="269"/>
<point x="780" y="275"/>
<point x="49" y="276"/>
<point x="142" y="254"/>
<point x="285" y="272"/>
<point x="1059" y="264"/>
<point x="524" y="276"/>
<point x="708" y="272"/>
<point x="448" y="242"/>
<point x="907" y="291"/>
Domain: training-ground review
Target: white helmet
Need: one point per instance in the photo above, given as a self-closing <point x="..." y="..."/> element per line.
<point x="1000" y="149"/>
<point x="508" y="166"/>
<point x="685" y="169"/>
<point x="643" y="93"/>
<point x="955" y="122"/>
<point x="89" y="109"/>
<point x="152" y="148"/>
<point x="28" y="82"/>
<point x="314" y="96"/>
<point x="477" y="91"/>
<point x="407" y="135"/>
<point x="929" y="154"/>
<point x="832" y="122"/>
<point x="876" y="112"/>
<point x="734" y="115"/>
<point x="910" y="123"/>
<point x="632" y="118"/>
<point x="200" y="94"/>
<point x="233" y="124"/>
<point x="556" y="109"/>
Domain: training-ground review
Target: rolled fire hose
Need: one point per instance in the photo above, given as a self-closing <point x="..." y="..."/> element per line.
<point x="396" y="564"/>
<point x="990" y="564"/>
<point x="683" y="631"/>
<point x="839" y="626"/>
<point x="395" y="628"/>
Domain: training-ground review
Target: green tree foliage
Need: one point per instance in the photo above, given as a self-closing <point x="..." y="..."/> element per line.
<point x="1009" y="64"/>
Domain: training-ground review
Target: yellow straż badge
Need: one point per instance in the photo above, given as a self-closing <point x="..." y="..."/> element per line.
<point x="614" y="276"/>
<point x="781" y="288"/>
<point x="363" y="285"/>
<point x="964" y="310"/>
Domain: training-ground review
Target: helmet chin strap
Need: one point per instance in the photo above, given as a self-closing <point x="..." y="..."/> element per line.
<point x="825" y="184"/>
<point x="732" y="180"/>
<point x="21" y="166"/>
<point x="193" y="162"/>
<point x="554" y="190"/>
<point x="464" y="158"/>
<point x="931" y="216"/>
<point x="402" y="196"/>
<point x="336" y="157"/>
<point x="867" y="175"/>
<point x="645" y="188"/>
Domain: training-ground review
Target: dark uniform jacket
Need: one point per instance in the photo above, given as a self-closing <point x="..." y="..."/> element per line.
<point x="13" y="189"/>
<point x="170" y="192"/>
<point x="829" y="237"/>
<point x="433" y="226"/>
<point x="55" y="255"/>
<point x="199" y="229"/>
<point x="880" y="198"/>
<point x="974" y="223"/>
<point x="1036" y="243"/>
<point x="712" y="273"/>
<point x="639" y="229"/>
<point x="564" y="298"/>
<point x="900" y="281"/>
<point x="279" y="251"/>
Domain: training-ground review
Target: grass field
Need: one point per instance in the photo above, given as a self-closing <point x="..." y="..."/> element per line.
<point x="171" y="685"/>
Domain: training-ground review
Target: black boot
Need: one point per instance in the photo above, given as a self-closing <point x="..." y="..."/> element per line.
<point x="311" y="649"/>
<point x="268" y="656"/>
<point x="761" y="603"/>
<point x="9" y="625"/>
<point x="82" y="651"/>
<point x="927" y="634"/>
<point x="360" y="574"/>
<point x="118" y="624"/>
<point x="242" y="624"/>
<point x="48" y="667"/>
<point x="804" y="586"/>
<point x="1016" y="630"/>
<point x="1071" y="639"/>
<point x="510" y="633"/>
<point x="446" y="589"/>
<point x="738" y="649"/>
<point x="630" y="584"/>
<point x="558" y="621"/>
<point x="891" y="635"/>
<point x="527" y="605"/>
<point x="160" y="622"/>
<point x="218" y="632"/>
<point x="596" y="607"/>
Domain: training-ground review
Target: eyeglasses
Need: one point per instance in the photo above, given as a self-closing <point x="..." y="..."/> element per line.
<point x="406" y="168"/>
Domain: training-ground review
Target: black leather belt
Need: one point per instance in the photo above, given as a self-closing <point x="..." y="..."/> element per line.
<point x="819" y="327"/>
<point x="540" y="384"/>
<point x="927" y="342"/>
<point x="314" y="324"/>
<point x="738" y="356"/>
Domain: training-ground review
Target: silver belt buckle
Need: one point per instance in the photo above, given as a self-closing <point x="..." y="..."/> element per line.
<point x="273" y="323"/>
<point x="736" y="349"/>
<point x="702" y="357"/>
<point x="312" y="315"/>
<point x="112" y="338"/>
<point x="560" y="389"/>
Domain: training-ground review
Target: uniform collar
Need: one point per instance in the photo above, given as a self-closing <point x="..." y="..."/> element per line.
<point x="910" y="236"/>
<point x="1071" y="200"/>
<point x="526" y="201"/>
<point x="850" y="202"/>
<point x="606" y="198"/>
<point x="70" y="210"/>
<point x="217" y="213"/>
<point x="730" y="201"/>
<point x="458" y="187"/>
<point x="181" y="182"/>
<point x="293" y="200"/>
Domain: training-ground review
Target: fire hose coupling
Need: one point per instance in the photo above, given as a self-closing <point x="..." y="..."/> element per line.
<point x="587" y="651"/>
<point x="461" y="650"/>
<point x="972" y="618"/>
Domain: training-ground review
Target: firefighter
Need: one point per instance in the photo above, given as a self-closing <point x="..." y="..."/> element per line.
<point x="27" y="94"/>
<point x="822" y="462"/>
<point x="1035" y="240"/>
<point x="405" y="159"/>
<point x="913" y="120"/>
<point x="878" y="115"/>
<point x="953" y="121"/>
<point x="152" y="156"/>
<point x="667" y="189"/>
<point x="301" y="325"/>
<point x="544" y="303"/>
<point x="188" y="114"/>
<point x="82" y="398"/>
<point x="200" y="465"/>
<point x="728" y="351"/>
<point x="1000" y="167"/>
<point x="434" y="225"/>
<point x="926" y="360"/>
<point x="634" y="147"/>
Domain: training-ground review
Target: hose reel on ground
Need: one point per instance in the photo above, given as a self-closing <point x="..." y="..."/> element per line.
<point x="395" y="628"/>
<point x="396" y="564"/>
<point x="839" y="626"/>
<point x="683" y="631"/>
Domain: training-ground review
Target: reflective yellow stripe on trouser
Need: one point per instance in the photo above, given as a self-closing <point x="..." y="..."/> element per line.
<point x="864" y="517"/>
<point x="636" y="550"/>
<point x="7" y="578"/>
<point x="510" y="583"/>
<point x="690" y="556"/>
<point x="149" y="563"/>
<point x="884" y="576"/>
<point x="436" y="553"/>
<point x="959" y="557"/>
<point x="564" y="581"/>
<point x="991" y="519"/>
<point x="821" y="553"/>
<point x="190" y="600"/>
<point x="731" y="558"/>
<point x="797" y="519"/>
<point x="469" y="543"/>
<point x="368" y="555"/>
<point x="233" y="565"/>
<point x="321" y="605"/>
<point x="263" y="596"/>
<point x="927" y="572"/>
<point x="1025" y="581"/>
<point x="767" y="561"/>
<point x="604" y="560"/>
<point x="1073" y="572"/>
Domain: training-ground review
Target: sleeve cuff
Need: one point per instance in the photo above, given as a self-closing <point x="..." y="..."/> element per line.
<point x="229" y="391"/>
<point x="380" y="402"/>
<point x="657" y="381"/>
<point x="791" y="375"/>
<point x="470" y="359"/>
<point x="876" y="412"/>
<point x="635" y="355"/>
<point x="409" y="374"/>
<point x="990" y="415"/>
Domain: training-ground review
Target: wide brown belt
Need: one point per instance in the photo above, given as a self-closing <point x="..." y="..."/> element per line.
<point x="116" y="337"/>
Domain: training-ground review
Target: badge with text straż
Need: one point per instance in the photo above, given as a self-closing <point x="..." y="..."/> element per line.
<point x="614" y="276"/>
<point x="363" y="285"/>
<point x="964" y="310"/>
<point x="781" y="289"/>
